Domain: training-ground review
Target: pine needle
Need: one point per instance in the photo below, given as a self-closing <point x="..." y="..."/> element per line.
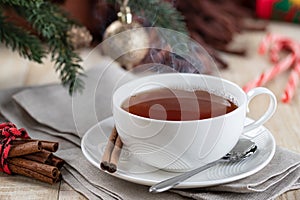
<point x="158" y="13"/>
<point x="28" y="46"/>
<point x="52" y="24"/>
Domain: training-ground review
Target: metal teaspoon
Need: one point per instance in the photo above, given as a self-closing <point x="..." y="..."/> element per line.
<point x="243" y="149"/>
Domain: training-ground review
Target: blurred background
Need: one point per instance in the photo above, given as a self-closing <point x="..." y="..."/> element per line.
<point x="229" y="30"/>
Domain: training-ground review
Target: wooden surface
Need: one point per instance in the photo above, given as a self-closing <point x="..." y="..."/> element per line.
<point x="284" y="125"/>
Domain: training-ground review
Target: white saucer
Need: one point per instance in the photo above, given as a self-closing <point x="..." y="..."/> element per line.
<point x="130" y="169"/>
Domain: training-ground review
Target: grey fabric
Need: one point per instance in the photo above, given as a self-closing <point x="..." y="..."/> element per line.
<point x="280" y="175"/>
<point x="48" y="113"/>
<point x="99" y="184"/>
<point x="49" y="105"/>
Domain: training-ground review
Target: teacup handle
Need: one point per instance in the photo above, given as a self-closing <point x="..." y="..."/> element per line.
<point x="268" y="114"/>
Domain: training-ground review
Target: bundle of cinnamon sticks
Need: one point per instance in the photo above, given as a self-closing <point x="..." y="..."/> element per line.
<point x="35" y="159"/>
<point x="111" y="155"/>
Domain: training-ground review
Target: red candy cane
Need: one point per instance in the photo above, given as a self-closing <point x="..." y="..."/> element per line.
<point x="271" y="73"/>
<point x="292" y="84"/>
<point x="275" y="44"/>
<point x="294" y="75"/>
<point x="265" y="43"/>
<point x="275" y="50"/>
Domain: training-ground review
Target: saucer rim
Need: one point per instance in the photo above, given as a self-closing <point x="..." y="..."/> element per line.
<point x="184" y="185"/>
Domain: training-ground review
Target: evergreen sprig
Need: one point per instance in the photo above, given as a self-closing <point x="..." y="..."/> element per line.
<point x="158" y="13"/>
<point x="21" y="2"/>
<point x="28" y="46"/>
<point x="52" y="25"/>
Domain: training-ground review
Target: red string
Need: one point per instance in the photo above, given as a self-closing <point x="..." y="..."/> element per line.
<point x="8" y="133"/>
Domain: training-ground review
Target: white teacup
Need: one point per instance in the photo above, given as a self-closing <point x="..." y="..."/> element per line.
<point x="183" y="145"/>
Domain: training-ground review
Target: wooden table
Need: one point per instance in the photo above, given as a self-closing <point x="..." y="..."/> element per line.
<point x="16" y="72"/>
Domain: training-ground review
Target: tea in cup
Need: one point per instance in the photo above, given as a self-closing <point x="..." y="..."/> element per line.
<point x="180" y="121"/>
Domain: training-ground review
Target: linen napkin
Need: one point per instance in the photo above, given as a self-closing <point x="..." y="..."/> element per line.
<point x="280" y="175"/>
<point x="78" y="172"/>
<point x="52" y="104"/>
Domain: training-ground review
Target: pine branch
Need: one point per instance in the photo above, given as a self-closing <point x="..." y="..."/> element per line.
<point x="27" y="3"/>
<point x="52" y="24"/>
<point x="158" y="13"/>
<point x="162" y="14"/>
<point x="16" y="38"/>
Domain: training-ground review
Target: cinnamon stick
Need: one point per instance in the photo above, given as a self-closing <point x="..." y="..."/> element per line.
<point x="115" y="155"/>
<point x="21" y="141"/>
<point x="43" y="156"/>
<point x="47" y="145"/>
<point x="44" y="169"/>
<point x="25" y="149"/>
<point x="50" y="146"/>
<point x="32" y="174"/>
<point x="58" y="178"/>
<point x="108" y="149"/>
<point x="57" y="162"/>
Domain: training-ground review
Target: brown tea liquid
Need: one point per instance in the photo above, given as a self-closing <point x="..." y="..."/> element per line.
<point x="177" y="105"/>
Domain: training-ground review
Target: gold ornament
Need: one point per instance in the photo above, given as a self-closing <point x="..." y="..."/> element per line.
<point x="79" y="37"/>
<point x="133" y="41"/>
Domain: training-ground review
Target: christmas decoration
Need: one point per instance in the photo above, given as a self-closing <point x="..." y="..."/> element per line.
<point x="152" y="13"/>
<point x="48" y="24"/>
<point x="205" y="21"/>
<point x="275" y="44"/>
<point x="157" y="13"/>
<point x="79" y="37"/>
<point x="132" y="42"/>
<point x="19" y="154"/>
<point x="286" y="10"/>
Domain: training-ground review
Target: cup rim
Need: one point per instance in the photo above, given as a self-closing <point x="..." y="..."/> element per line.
<point x="179" y="121"/>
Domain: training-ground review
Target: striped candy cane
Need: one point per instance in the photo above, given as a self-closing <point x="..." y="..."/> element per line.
<point x="267" y="42"/>
<point x="271" y="73"/>
<point x="294" y="75"/>
<point x="275" y="49"/>
<point x="292" y="84"/>
<point x="275" y="44"/>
